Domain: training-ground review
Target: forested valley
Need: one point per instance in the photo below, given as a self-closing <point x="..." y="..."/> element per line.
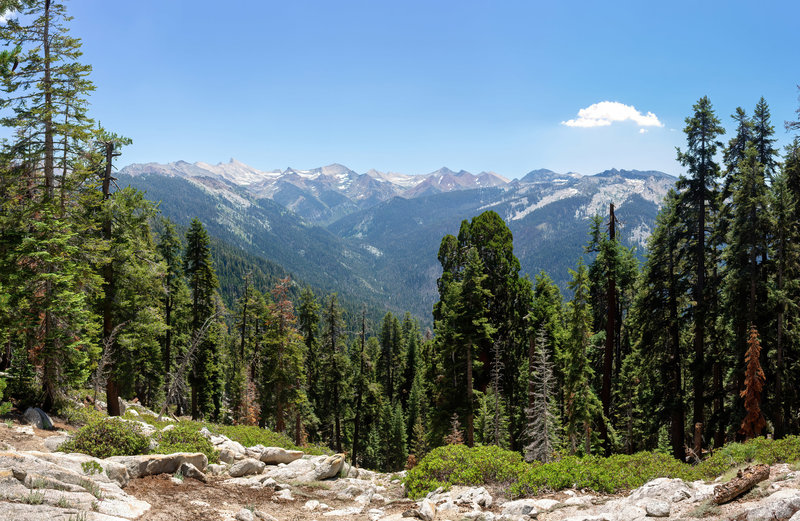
<point x="102" y="298"/>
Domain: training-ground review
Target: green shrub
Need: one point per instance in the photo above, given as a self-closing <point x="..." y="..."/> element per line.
<point x="91" y="468"/>
<point x="249" y="435"/>
<point x="75" y="414"/>
<point x="459" y="465"/>
<point x="108" y="437"/>
<point x="153" y="420"/>
<point x="5" y="407"/>
<point x="185" y="437"/>
<point x="759" y="450"/>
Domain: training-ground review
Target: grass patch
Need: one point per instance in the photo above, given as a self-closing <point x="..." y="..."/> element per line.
<point x="705" y="509"/>
<point x="185" y="437"/>
<point x="250" y="435"/>
<point x="77" y="415"/>
<point x="488" y="465"/>
<point x="63" y="503"/>
<point x="150" y="420"/>
<point x="92" y="488"/>
<point x="34" y="498"/>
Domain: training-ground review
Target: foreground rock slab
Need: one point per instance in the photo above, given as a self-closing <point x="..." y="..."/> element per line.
<point x="151" y="464"/>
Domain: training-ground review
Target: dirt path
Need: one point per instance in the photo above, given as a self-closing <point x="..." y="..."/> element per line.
<point x="193" y="500"/>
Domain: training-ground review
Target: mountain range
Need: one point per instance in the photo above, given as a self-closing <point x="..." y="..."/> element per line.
<point x="375" y="236"/>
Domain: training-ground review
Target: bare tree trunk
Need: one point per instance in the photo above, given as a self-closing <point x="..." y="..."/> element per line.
<point x="50" y="361"/>
<point x="698" y="441"/>
<point x="744" y="481"/>
<point x="280" y="423"/>
<point x="112" y="389"/>
<point x="588" y="429"/>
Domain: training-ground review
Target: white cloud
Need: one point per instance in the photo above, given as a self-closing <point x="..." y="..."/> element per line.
<point x="606" y="112"/>
<point x="642" y="131"/>
<point x="6" y="16"/>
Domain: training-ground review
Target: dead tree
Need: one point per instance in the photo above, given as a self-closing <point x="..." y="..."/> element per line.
<point x="176" y="379"/>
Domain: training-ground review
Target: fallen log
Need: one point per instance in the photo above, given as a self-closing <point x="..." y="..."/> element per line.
<point x="743" y="482"/>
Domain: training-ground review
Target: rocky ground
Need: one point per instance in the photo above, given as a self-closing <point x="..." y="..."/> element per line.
<point x="266" y="483"/>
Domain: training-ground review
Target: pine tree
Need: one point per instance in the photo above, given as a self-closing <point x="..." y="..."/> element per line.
<point x="611" y="274"/>
<point x="308" y="324"/>
<point x="745" y="284"/>
<point x="390" y="365"/>
<point x="202" y="281"/>
<point x="175" y="296"/>
<point x="659" y="316"/>
<point x="508" y="302"/>
<point x="135" y="302"/>
<point x="361" y="382"/>
<point x="283" y="377"/>
<point x="794" y="125"/>
<point x="754" y="422"/>
<point x="581" y="405"/>
<point x="763" y="140"/>
<point x="412" y="340"/>
<point x="47" y="244"/>
<point x="473" y="324"/>
<point x="419" y="442"/>
<point x="698" y="196"/>
<point x="334" y="375"/>
<point x="785" y="287"/>
<point x="456" y="436"/>
<point x="541" y="414"/>
<point x="393" y="437"/>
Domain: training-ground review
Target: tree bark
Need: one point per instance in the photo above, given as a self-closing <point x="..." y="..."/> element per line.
<point x="677" y="414"/>
<point x="608" y="355"/>
<point x="744" y="481"/>
<point x="112" y="389"/>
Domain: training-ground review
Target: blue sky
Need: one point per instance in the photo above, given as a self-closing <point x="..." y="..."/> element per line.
<point x="411" y="86"/>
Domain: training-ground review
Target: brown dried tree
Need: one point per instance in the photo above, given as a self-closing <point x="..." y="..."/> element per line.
<point x="754" y="421"/>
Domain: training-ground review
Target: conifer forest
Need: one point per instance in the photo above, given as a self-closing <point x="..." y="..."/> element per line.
<point x="694" y="346"/>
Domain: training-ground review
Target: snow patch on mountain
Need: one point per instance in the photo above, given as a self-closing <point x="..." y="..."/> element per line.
<point x="544" y="201"/>
<point x="373" y="250"/>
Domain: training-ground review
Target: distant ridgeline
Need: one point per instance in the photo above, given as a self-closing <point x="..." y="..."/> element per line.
<point x="374" y="237"/>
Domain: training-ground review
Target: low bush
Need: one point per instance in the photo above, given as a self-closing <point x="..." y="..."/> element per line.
<point x="76" y="414"/>
<point x="459" y="465"/>
<point x="757" y="450"/>
<point x="107" y="437"/>
<point x="185" y="437"/>
<point x="152" y="420"/>
<point x="249" y="435"/>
